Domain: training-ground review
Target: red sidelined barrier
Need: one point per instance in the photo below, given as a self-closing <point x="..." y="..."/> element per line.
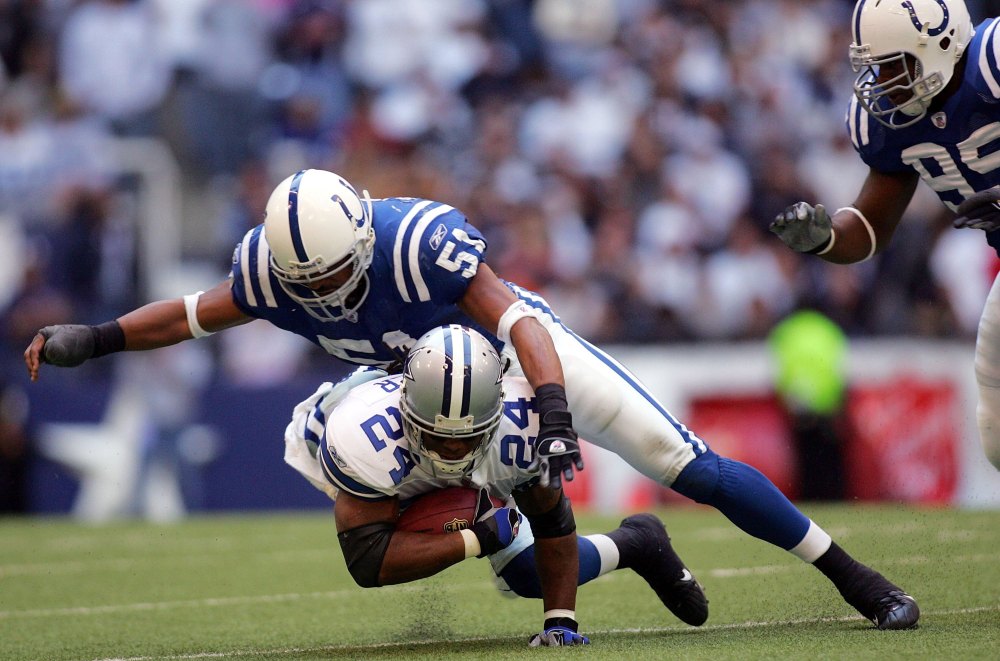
<point x="905" y="441"/>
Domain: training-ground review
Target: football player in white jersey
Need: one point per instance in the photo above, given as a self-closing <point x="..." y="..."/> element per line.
<point x="926" y="106"/>
<point x="364" y="278"/>
<point x="376" y="441"/>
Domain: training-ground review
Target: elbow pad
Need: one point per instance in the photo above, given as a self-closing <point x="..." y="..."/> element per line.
<point x="557" y="522"/>
<point x="364" y="549"/>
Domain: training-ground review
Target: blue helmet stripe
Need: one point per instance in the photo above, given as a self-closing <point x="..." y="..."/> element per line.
<point x="467" y="372"/>
<point x="449" y="366"/>
<point x="293" y="216"/>
<point x="857" y="22"/>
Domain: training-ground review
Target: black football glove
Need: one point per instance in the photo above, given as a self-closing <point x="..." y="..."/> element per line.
<point x="981" y="211"/>
<point x="557" y="449"/>
<point x="67" y="345"/>
<point x="803" y="227"/>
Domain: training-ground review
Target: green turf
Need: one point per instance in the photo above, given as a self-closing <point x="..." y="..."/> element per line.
<point x="275" y="587"/>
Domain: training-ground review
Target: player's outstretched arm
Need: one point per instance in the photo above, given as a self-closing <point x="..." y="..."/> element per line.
<point x="557" y="561"/>
<point x="495" y="307"/>
<point x="377" y="554"/>
<point x="850" y="234"/>
<point x="155" y="325"/>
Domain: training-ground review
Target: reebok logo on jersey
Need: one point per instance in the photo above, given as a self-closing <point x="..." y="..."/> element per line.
<point x="439" y="233"/>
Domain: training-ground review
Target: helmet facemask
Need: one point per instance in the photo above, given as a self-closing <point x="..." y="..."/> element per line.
<point x="913" y="90"/>
<point x="452" y="389"/>
<point x="915" y="46"/>
<point x="344" y="301"/>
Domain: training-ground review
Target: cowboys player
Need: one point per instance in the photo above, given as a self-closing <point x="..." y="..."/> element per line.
<point x="926" y="106"/>
<point x="452" y="418"/>
<point x="363" y="278"/>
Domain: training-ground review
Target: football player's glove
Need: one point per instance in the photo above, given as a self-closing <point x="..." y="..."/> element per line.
<point x="803" y="227"/>
<point x="557" y="449"/>
<point x="496" y="527"/>
<point x="69" y="345"/>
<point x="558" y="632"/>
<point x="981" y="211"/>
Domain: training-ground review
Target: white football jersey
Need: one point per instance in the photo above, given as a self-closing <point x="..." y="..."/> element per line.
<point x="364" y="452"/>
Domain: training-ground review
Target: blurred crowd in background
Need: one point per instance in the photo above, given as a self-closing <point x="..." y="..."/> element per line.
<point x="622" y="157"/>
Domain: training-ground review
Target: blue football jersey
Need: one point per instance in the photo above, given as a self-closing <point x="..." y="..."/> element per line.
<point x="425" y="255"/>
<point x="956" y="150"/>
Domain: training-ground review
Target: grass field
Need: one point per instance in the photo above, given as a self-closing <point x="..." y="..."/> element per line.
<point x="275" y="587"/>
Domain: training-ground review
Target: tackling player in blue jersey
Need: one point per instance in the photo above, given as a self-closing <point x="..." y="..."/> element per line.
<point x="375" y="441"/>
<point x="364" y="278"/>
<point x="926" y="106"/>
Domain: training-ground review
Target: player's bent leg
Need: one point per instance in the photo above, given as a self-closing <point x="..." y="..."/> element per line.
<point x="644" y="547"/>
<point x="988" y="375"/>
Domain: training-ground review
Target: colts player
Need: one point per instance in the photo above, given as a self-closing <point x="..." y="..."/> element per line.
<point x="926" y="106"/>
<point x="451" y="418"/>
<point x="363" y="278"/>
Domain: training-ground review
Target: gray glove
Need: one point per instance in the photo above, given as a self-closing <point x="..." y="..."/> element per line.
<point x="803" y="228"/>
<point x="67" y="345"/>
<point x="981" y="211"/>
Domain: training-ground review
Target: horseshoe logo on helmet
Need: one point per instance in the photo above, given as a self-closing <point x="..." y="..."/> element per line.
<point x="917" y="23"/>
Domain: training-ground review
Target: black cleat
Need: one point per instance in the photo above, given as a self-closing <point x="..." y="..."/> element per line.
<point x="644" y="547"/>
<point x="880" y="601"/>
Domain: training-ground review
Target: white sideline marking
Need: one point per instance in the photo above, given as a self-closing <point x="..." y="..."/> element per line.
<point x="360" y="649"/>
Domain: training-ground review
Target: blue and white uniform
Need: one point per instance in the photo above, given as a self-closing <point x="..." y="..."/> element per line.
<point x="354" y="437"/>
<point x="956" y="150"/>
<point x="424" y="257"/>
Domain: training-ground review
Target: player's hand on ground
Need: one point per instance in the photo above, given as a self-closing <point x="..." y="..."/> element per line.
<point x="981" y="211"/>
<point x="803" y="227"/>
<point x="559" y="634"/>
<point x="63" y="345"/>
<point x="495" y="528"/>
<point x="557" y="450"/>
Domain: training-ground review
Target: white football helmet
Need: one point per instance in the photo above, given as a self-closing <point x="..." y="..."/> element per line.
<point x="452" y="388"/>
<point x="317" y="226"/>
<point x="921" y="39"/>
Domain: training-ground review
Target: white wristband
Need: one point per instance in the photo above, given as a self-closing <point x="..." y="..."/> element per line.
<point x="472" y="547"/>
<point x="868" y="226"/>
<point x="517" y="311"/>
<point x="191" y="309"/>
<point x="829" y="246"/>
<point x="560" y="612"/>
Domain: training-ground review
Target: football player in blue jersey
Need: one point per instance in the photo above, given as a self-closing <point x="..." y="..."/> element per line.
<point x="374" y="442"/>
<point x="363" y="278"/>
<point x="926" y="106"/>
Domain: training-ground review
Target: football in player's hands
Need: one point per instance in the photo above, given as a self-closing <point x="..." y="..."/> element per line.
<point x="443" y="510"/>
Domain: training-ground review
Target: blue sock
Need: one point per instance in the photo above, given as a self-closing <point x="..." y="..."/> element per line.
<point x="522" y="577"/>
<point x="745" y="496"/>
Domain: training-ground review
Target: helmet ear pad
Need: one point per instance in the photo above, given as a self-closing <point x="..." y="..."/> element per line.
<point x="317" y="226"/>
<point x="922" y="39"/>
<point x="452" y="388"/>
